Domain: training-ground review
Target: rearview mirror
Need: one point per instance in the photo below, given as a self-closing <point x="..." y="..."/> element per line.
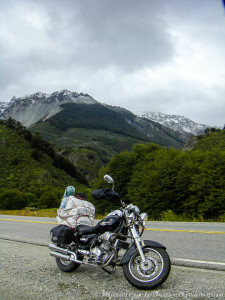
<point x="108" y="178"/>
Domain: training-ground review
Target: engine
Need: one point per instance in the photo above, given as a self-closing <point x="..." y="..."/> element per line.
<point x="103" y="253"/>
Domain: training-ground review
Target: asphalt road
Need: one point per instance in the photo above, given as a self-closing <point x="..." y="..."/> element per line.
<point x="28" y="272"/>
<point x="191" y="244"/>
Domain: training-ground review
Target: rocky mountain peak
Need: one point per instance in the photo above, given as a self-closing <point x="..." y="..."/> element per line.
<point x="30" y="109"/>
<point x="177" y="123"/>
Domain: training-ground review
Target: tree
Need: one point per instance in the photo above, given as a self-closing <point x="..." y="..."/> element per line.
<point x="12" y="199"/>
<point x="48" y="200"/>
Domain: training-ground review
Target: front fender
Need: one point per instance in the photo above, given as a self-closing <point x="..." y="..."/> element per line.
<point x="127" y="255"/>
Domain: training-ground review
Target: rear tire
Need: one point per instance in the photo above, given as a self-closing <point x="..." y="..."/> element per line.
<point x="152" y="273"/>
<point x="67" y="265"/>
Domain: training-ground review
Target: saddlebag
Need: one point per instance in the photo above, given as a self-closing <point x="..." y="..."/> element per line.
<point x="62" y="234"/>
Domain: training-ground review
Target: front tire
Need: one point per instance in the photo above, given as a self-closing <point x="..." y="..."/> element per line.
<point x="151" y="273"/>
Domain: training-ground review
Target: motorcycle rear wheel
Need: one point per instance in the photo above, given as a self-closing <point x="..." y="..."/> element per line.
<point x="67" y="265"/>
<point x="151" y="273"/>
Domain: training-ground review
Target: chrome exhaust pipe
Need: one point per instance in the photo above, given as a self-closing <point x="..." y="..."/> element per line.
<point x="63" y="254"/>
<point x="65" y="257"/>
<point x="59" y="249"/>
<point x="60" y="255"/>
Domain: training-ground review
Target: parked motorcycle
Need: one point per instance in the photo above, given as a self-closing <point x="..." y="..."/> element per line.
<point x="114" y="241"/>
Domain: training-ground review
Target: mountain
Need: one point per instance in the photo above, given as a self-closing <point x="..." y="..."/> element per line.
<point x="3" y="107"/>
<point x="177" y="123"/>
<point x="40" y="107"/>
<point x="85" y="130"/>
<point x="32" y="108"/>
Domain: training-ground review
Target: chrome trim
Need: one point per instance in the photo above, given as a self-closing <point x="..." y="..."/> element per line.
<point x="65" y="257"/>
<point x="137" y="241"/>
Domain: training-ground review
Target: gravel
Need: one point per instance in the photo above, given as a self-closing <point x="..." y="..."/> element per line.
<point x="29" y="272"/>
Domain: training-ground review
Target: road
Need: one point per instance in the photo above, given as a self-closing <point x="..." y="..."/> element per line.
<point x="28" y="272"/>
<point x="191" y="244"/>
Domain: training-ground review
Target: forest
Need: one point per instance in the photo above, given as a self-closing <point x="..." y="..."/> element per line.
<point x="186" y="185"/>
<point x="32" y="173"/>
<point x="166" y="183"/>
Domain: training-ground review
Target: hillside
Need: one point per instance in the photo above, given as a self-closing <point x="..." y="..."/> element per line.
<point x="29" y="176"/>
<point x="212" y="139"/>
<point x="103" y="132"/>
<point x="86" y="131"/>
<point x="93" y="116"/>
<point x="40" y="107"/>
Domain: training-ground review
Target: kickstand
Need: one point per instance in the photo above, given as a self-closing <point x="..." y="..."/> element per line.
<point x="109" y="271"/>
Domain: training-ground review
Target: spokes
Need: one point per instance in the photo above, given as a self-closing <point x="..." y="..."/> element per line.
<point x="65" y="262"/>
<point x="149" y="269"/>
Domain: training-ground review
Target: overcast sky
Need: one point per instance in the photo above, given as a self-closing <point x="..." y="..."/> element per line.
<point x="144" y="55"/>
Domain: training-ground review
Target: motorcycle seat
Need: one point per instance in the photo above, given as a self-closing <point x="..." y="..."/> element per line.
<point x="85" y="229"/>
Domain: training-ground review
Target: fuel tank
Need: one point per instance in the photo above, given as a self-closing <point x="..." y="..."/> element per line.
<point x="109" y="223"/>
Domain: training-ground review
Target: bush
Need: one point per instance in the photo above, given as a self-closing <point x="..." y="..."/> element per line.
<point x="222" y="218"/>
<point x="36" y="154"/>
<point x="12" y="199"/>
<point x="48" y="200"/>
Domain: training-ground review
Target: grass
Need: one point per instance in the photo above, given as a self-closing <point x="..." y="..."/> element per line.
<point x="48" y="213"/>
<point x="167" y="216"/>
<point x="30" y="212"/>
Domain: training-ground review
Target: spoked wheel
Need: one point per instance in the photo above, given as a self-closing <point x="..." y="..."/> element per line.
<point x="67" y="265"/>
<point x="150" y="273"/>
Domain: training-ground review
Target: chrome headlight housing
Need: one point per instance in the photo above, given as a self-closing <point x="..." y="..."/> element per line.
<point x="144" y="218"/>
<point x="131" y="217"/>
<point x="132" y="211"/>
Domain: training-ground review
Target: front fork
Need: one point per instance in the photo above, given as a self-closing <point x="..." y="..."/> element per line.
<point x="137" y="241"/>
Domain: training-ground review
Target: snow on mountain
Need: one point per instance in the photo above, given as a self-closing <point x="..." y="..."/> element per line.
<point x="40" y="106"/>
<point x="3" y="107"/>
<point x="33" y="108"/>
<point x="177" y="123"/>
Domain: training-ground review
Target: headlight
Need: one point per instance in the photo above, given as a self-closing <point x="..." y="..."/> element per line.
<point x="144" y="218"/>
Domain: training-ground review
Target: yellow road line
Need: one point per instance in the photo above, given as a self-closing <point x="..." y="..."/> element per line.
<point x="150" y="229"/>
<point x="191" y="231"/>
<point x="28" y="221"/>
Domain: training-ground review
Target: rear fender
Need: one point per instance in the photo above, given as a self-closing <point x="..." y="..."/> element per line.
<point x="132" y="250"/>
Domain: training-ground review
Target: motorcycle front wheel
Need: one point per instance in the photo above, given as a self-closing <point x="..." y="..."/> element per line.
<point x="150" y="273"/>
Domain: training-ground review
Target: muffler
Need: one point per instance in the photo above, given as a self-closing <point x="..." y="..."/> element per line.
<point x="59" y="249"/>
<point x="60" y="255"/>
<point x="63" y="254"/>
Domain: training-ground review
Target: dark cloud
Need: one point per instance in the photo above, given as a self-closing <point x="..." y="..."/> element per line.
<point x="143" y="55"/>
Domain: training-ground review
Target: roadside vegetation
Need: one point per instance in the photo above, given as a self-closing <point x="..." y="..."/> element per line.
<point x="32" y="173"/>
<point x="169" y="184"/>
<point x="172" y="184"/>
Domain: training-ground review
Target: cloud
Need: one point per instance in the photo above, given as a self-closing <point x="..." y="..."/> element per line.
<point x="144" y="55"/>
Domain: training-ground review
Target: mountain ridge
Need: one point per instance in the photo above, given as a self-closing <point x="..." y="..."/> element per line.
<point x="177" y="122"/>
<point x="40" y="107"/>
<point x="43" y="106"/>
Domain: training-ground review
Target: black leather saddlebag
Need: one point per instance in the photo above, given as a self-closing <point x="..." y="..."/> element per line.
<point x="62" y="234"/>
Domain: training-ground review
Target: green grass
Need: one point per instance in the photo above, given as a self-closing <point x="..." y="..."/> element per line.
<point x="168" y="216"/>
<point x="31" y="212"/>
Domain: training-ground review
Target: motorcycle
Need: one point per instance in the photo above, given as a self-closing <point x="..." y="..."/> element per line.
<point x="145" y="263"/>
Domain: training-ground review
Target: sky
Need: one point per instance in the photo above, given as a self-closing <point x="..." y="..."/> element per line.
<point x="143" y="55"/>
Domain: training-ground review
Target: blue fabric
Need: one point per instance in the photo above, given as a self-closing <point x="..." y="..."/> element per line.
<point x="64" y="201"/>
